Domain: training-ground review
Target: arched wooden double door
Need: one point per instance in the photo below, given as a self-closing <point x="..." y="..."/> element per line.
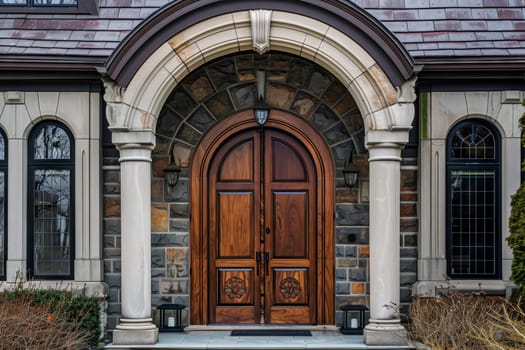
<point x="262" y="230"/>
<point x="263" y="258"/>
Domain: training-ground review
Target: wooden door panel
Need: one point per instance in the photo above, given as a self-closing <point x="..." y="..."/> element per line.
<point x="286" y="165"/>
<point x="235" y="314"/>
<point x="236" y="227"/>
<point x="290" y="315"/>
<point x="290" y="221"/>
<point x="236" y="286"/>
<point x="290" y="286"/>
<point x="238" y="164"/>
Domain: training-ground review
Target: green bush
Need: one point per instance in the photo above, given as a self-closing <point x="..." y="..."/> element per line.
<point x="516" y="239"/>
<point x="79" y="311"/>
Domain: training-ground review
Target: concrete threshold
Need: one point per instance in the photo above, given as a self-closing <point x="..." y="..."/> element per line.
<point x="213" y="337"/>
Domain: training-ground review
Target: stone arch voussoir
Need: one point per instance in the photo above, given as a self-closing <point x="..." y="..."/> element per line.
<point x="375" y="95"/>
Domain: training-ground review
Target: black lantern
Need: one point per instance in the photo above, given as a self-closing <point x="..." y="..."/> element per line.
<point x="350" y="172"/>
<point x="171" y="318"/>
<point x="260" y="109"/>
<point x="354" y="319"/>
<point x="261" y="115"/>
<point x="171" y="174"/>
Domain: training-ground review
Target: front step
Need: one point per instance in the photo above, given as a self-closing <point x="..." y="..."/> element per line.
<point x="221" y="339"/>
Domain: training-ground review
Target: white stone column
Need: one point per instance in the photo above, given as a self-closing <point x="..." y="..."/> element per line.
<point x="384" y="175"/>
<point x="136" y="326"/>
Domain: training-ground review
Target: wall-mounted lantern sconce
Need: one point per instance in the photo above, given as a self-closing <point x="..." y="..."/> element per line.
<point x="171" y="174"/>
<point x="350" y="172"/>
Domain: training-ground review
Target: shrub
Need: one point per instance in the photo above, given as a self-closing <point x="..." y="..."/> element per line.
<point x="448" y="323"/>
<point x="48" y="319"/>
<point x="504" y="330"/>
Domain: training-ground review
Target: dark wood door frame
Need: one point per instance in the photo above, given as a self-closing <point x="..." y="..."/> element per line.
<point x="322" y="158"/>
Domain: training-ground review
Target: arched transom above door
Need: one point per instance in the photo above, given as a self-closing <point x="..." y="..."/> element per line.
<point x="229" y="85"/>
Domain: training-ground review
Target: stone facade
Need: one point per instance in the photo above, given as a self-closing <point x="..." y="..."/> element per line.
<point x="349" y="71"/>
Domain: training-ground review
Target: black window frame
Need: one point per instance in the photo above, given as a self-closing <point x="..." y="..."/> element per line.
<point x="83" y="7"/>
<point x="52" y="164"/>
<point x="4" y="167"/>
<point x="480" y="165"/>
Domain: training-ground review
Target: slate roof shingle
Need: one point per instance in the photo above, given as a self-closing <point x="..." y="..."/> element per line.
<point x="428" y="28"/>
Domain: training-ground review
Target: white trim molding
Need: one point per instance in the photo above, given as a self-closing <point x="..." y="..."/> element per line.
<point x="443" y="111"/>
<point x="79" y="111"/>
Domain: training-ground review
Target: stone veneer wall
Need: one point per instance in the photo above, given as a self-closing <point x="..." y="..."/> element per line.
<point x="209" y="95"/>
<point x="111" y="231"/>
<point x="409" y="233"/>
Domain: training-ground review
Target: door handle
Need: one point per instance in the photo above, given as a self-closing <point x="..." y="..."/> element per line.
<point x="267" y="263"/>
<point x="258" y="261"/>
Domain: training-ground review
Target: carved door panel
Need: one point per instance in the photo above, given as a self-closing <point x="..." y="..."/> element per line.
<point x="261" y="231"/>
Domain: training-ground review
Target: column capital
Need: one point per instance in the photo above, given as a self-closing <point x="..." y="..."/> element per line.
<point x="139" y="139"/>
<point x="377" y="137"/>
<point x="134" y="145"/>
<point x="384" y="151"/>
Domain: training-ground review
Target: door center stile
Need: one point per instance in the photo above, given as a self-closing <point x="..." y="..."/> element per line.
<point x="262" y="260"/>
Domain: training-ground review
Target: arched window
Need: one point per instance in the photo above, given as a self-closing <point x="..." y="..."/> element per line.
<point x="51" y="212"/>
<point x="473" y="201"/>
<point x="3" y="203"/>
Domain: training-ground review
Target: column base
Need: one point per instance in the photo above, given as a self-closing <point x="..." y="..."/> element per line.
<point x="135" y="332"/>
<point x="385" y="332"/>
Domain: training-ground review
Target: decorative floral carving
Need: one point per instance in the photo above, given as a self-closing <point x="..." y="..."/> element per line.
<point x="290" y="287"/>
<point x="235" y="288"/>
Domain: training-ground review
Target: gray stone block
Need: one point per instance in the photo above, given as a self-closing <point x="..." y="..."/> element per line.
<point x="340" y="274"/>
<point x="111" y="227"/>
<point x="351" y="215"/>
<point x="408" y="265"/>
<point x="158" y="257"/>
<point x="179" y="210"/>
<point x="357" y="274"/>
<point x="169" y="240"/>
<point x="179" y="226"/>
<point x="342" y="288"/>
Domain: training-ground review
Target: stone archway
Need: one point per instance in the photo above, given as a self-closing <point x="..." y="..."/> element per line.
<point x="226" y="86"/>
<point x="387" y="112"/>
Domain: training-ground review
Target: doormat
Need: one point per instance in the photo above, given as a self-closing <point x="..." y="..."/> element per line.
<point x="271" y="333"/>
